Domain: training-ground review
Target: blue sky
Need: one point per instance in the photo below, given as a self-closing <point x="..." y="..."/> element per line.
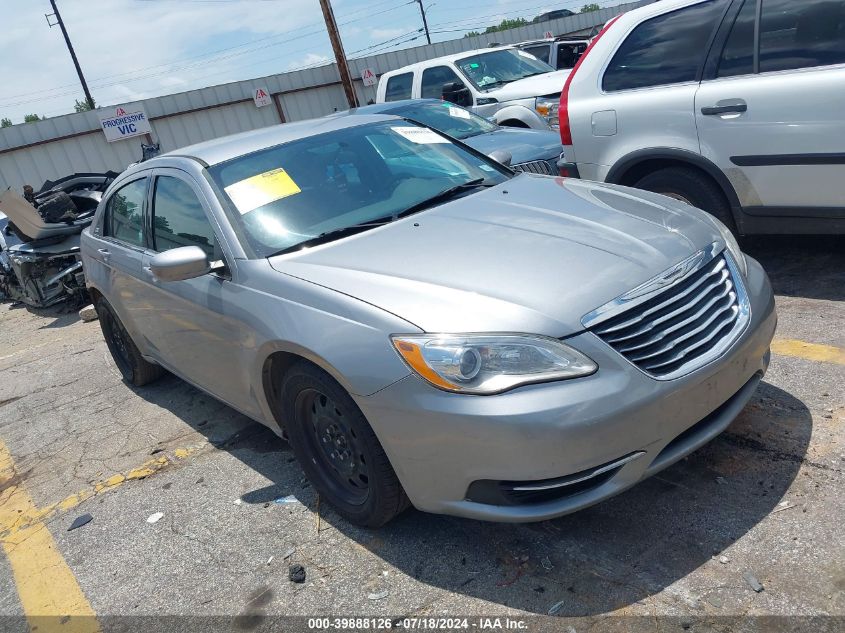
<point x="133" y="49"/>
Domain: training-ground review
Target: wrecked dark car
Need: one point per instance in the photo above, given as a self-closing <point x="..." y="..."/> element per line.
<point x="40" y="264"/>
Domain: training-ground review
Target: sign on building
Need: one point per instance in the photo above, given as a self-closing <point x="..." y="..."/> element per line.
<point x="119" y="124"/>
<point x="369" y="77"/>
<point x="548" y="35"/>
<point x="261" y="97"/>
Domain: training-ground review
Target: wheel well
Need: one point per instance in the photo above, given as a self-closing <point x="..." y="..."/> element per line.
<point x="635" y="172"/>
<point x="275" y="367"/>
<point x="95" y="295"/>
<point x="513" y="123"/>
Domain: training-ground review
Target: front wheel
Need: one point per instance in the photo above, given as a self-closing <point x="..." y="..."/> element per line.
<point x="337" y="448"/>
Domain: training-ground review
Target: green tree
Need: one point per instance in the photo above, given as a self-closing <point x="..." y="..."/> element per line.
<point x="31" y="118"/>
<point x="504" y="25"/>
<point x="83" y="106"/>
<point x="5" y="122"/>
<point x="590" y="7"/>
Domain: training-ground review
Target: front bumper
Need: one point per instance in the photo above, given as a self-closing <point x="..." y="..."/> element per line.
<point x="441" y="444"/>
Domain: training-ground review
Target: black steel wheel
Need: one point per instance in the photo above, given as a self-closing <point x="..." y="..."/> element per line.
<point x="334" y="441"/>
<point x="133" y="367"/>
<point x="337" y="448"/>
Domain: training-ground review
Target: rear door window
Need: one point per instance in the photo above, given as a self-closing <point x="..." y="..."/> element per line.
<point x="124" y="217"/>
<point x="801" y="34"/>
<point x="569" y="54"/>
<point x="433" y="80"/>
<point x="668" y="49"/>
<point x="399" y="87"/>
<point x="179" y="218"/>
<point x="738" y="54"/>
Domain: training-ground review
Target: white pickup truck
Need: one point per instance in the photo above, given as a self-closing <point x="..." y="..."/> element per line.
<point x="504" y="84"/>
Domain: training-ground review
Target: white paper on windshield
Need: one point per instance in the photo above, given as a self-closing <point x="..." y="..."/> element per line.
<point x="524" y="54"/>
<point x="458" y="112"/>
<point x="420" y="135"/>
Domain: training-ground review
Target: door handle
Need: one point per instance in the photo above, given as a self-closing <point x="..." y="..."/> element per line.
<point x="737" y="107"/>
<point x="105" y="253"/>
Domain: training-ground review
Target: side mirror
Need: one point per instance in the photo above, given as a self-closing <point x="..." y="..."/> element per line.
<point x="501" y="156"/>
<point x="181" y="263"/>
<point x="457" y="93"/>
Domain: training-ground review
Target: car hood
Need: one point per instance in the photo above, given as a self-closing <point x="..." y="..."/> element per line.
<point x="537" y="86"/>
<point x="534" y="254"/>
<point x="522" y="144"/>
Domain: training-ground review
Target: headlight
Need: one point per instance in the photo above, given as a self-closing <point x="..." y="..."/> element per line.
<point x="548" y="109"/>
<point x="489" y="363"/>
<point x="734" y="249"/>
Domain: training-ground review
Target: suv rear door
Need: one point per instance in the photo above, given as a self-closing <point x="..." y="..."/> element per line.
<point x="772" y="116"/>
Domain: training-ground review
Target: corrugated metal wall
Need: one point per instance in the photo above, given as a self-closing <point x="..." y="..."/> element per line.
<point x="35" y="152"/>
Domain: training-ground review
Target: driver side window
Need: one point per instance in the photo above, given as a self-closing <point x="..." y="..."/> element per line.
<point x="179" y="218"/>
<point x="433" y="80"/>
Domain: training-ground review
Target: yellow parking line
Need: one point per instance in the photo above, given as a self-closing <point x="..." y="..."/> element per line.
<point x="32" y="514"/>
<point x="809" y="351"/>
<point x="51" y="598"/>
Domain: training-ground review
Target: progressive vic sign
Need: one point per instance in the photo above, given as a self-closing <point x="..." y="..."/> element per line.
<point x="119" y="124"/>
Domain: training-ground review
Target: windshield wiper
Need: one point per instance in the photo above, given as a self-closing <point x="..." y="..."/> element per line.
<point x="352" y="229"/>
<point x="335" y="234"/>
<point x="539" y="72"/>
<point x="444" y="195"/>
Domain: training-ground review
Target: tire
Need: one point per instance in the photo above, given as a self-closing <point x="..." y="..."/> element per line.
<point x="55" y="207"/>
<point x="321" y="420"/>
<point x="132" y="366"/>
<point x="693" y="187"/>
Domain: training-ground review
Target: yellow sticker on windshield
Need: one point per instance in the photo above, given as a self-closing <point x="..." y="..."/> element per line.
<point x="256" y="191"/>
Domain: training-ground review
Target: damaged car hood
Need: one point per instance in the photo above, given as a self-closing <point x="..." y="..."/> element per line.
<point x="533" y="254"/>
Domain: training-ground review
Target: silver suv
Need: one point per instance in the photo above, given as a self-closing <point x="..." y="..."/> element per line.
<point x="735" y="106"/>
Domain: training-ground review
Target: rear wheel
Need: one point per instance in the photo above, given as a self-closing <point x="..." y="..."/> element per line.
<point x="338" y="449"/>
<point x="692" y="187"/>
<point x="127" y="357"/>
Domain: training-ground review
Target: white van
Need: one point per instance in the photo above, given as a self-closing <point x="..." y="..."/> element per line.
<point x="503" y="84"/>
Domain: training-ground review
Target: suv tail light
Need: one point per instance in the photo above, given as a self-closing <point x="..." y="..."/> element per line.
<point x="563" y="112"/>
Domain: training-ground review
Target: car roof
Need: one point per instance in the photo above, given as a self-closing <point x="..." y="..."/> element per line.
<point x="227" y="147"/>
<point x="445" y="58"/>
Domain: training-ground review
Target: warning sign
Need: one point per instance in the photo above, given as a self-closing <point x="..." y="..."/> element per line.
<point x="548" y="35"/>
<point x="124" y="122"/>
<point x="261" y="97"/>
<point x="368" y="75"/>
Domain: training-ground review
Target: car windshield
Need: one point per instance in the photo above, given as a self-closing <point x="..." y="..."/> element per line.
<point x="450" y="119"/>
<point x="295" y="193"/>
<point x="496" y="68"/>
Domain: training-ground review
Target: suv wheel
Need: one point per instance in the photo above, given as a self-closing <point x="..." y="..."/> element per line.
<point x="127" y="357"/>
<point x="337" y="448"/>
<point x="690" y="186"/>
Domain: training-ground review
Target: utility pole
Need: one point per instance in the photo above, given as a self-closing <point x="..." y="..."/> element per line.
<point x="339" y="55"/>
<point x="61" y="24"/>
<point x="425" y="22"/>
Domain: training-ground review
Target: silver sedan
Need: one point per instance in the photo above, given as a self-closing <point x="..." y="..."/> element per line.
<point x="425" y="326"/>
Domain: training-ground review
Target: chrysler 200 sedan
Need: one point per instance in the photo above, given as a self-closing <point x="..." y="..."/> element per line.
<point x="425" y="326"/>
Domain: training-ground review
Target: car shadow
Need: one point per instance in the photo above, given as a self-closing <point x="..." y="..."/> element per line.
<point x="808" y="266"/>
<point x="601" y="559"/>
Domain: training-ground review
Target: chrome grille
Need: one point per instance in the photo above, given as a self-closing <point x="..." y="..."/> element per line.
<point x="676" y="329"/>
<point x="543" y="167"/>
